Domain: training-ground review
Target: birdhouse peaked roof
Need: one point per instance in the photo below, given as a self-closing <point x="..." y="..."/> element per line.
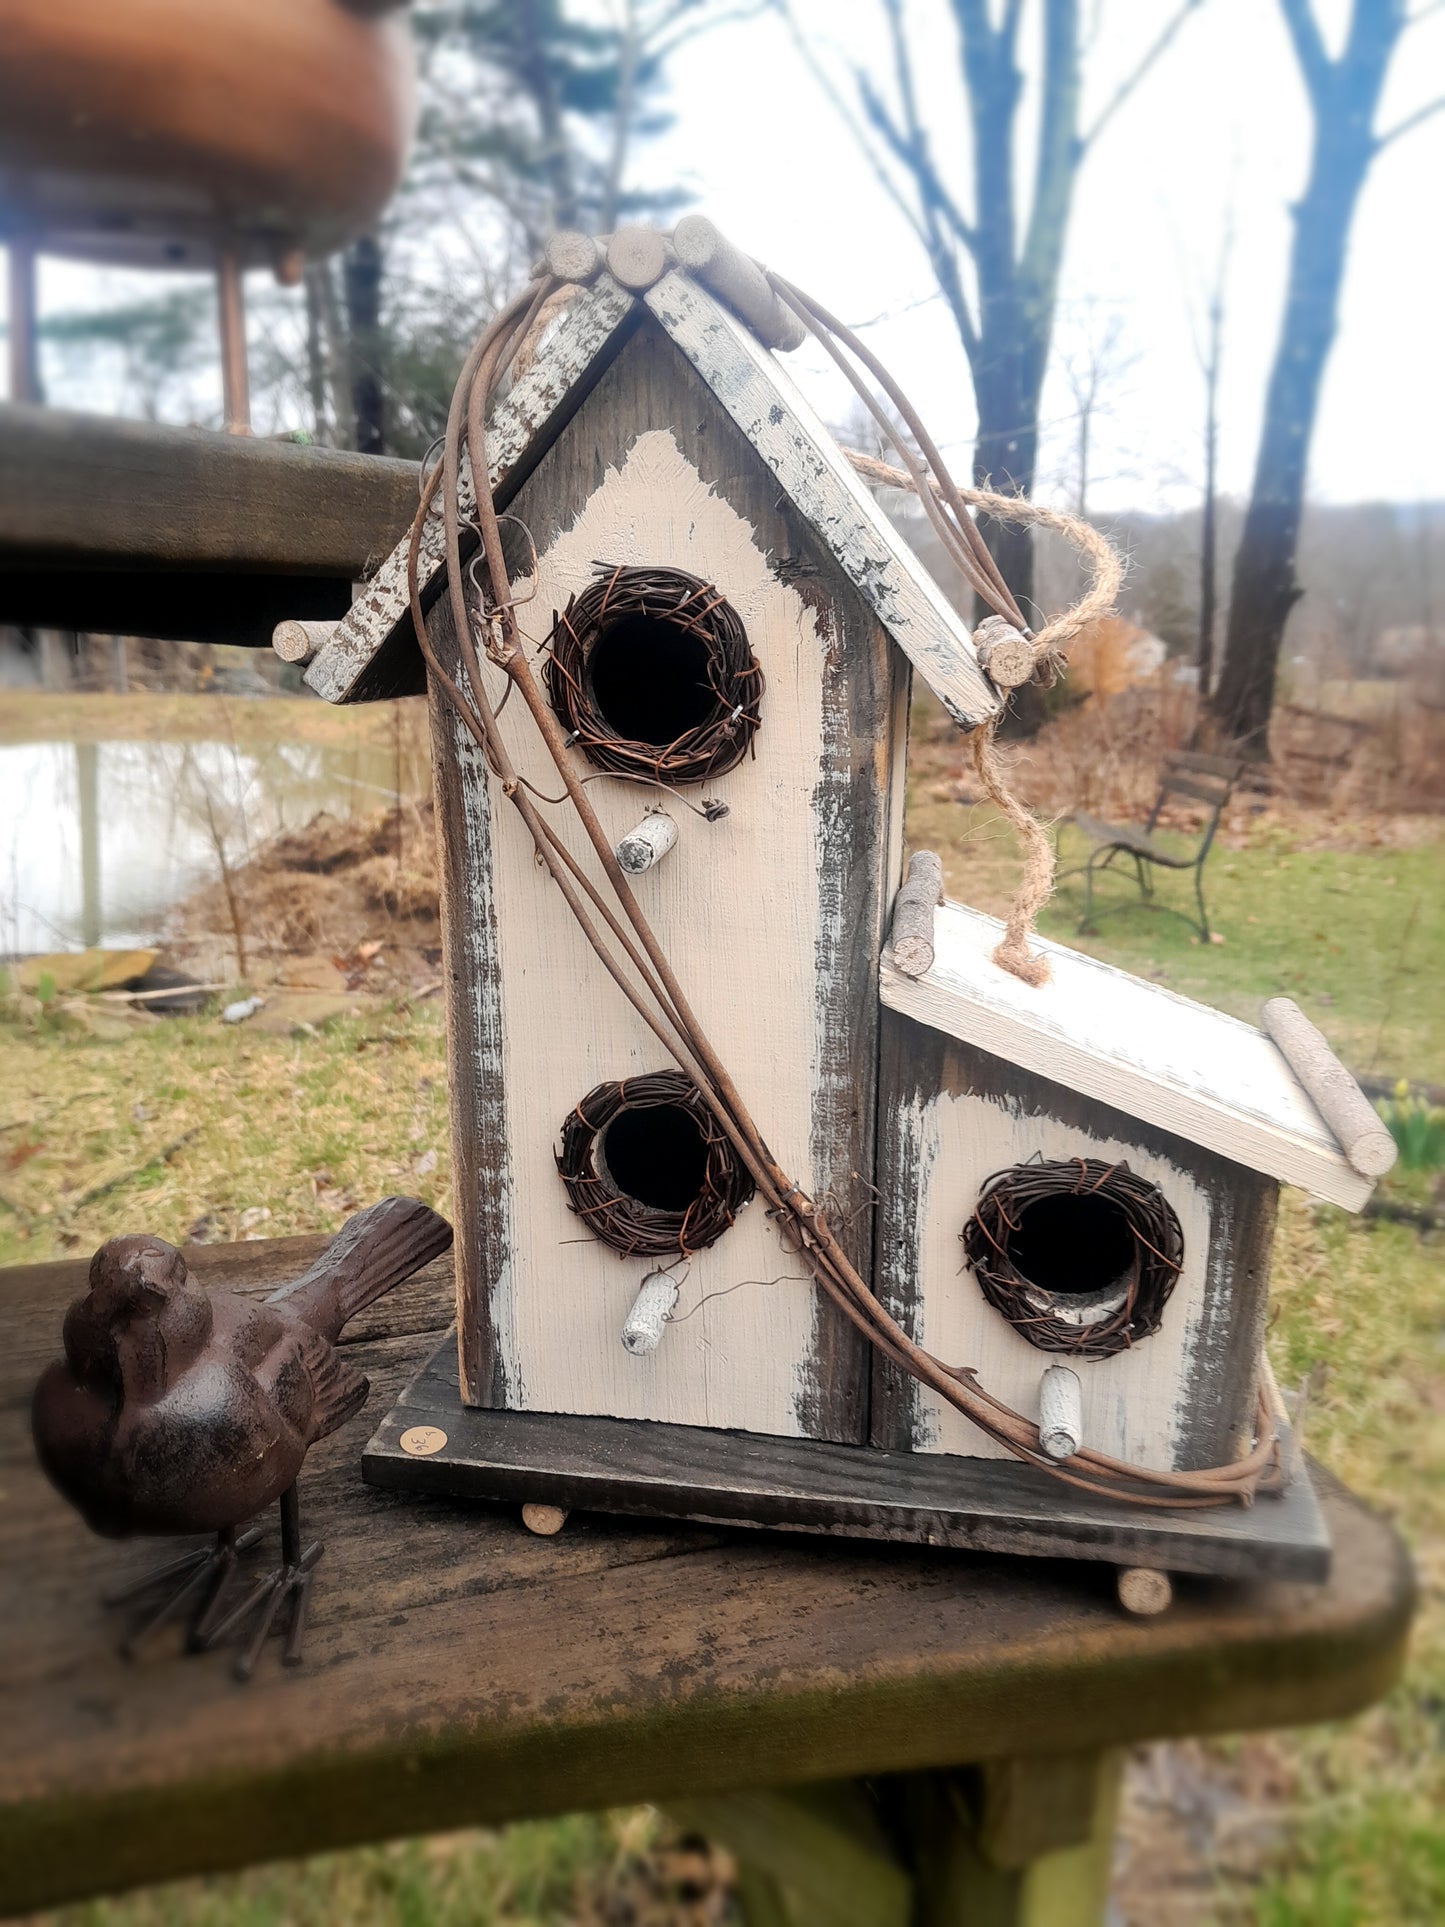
<point x="754" y="388"/>
<point x="1134" y="1046"/>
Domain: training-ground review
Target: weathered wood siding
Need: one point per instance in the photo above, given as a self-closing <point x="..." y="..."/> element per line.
<point x="950" y="1116"/>
<point x="772" y="916"/>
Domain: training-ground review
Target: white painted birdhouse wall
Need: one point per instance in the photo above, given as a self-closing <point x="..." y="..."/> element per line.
<point x="1133" y="1402"/>
<point x="756" y="913"/>
<point x="951" y="1117"/>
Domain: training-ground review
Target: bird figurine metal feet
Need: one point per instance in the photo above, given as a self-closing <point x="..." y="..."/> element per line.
<point x="181" y="1410"/>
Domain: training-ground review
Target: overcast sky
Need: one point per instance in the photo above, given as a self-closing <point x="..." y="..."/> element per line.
<point x="1219" y="126"/>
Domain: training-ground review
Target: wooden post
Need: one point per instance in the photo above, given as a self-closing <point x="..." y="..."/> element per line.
<point x="1013" y="1843"/>
<point x="651" y="1309"/>
<point x="298" y="641"/>
<point x="87" y="789"/>
<point x="545" y="1520"/>
<point x="1061" y="1412"/>
<point x="1144" y="1592"/>
<point x="648" y="844"/>
<point x="24" y="365"/>
<point x="1004" y="653"/>
<point x="572" y="256"/>
<point x="235" y="371"/>
<point x="637" y="257"/>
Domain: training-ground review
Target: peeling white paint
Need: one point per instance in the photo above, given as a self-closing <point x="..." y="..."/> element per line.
<point x="1133" y="1402"/>
<point x="736" y="907"/>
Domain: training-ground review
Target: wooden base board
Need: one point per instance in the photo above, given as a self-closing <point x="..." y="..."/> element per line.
<point x="800" y="1485"/>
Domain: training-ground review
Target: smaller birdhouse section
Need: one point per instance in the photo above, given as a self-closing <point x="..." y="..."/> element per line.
<point x="1078" y="1185"/>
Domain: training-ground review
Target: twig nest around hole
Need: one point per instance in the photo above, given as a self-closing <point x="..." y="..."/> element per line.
<point x="1078" y="1255"/>
<point x="648" y="1168"/>
<point x="653" y="677"/>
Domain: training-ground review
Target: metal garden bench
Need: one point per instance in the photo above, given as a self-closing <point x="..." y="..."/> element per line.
<point x="1207" y="779"/>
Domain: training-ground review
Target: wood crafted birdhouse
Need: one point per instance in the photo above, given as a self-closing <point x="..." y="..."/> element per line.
<point x="726" y="626"/>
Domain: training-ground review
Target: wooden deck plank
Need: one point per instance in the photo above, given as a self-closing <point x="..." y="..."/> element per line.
<point x="141" y="528"/>
<point x="459" y="1670"/>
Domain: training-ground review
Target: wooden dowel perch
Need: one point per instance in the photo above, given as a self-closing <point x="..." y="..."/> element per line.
<point x="1061" y="1412"/>
<point x="572" y="256"/>
<point x="299" y="642"/>
<point x="651" y="1309"/>
<point x="736" y="279"/>
<point x="1143" y="1591"/>
<point x="1006" y="657"/>
<point x="637" y="257"/>
<point x="649" y="843"/>
<point x="1358" y="1127"/>
<point x="919" y="895"/>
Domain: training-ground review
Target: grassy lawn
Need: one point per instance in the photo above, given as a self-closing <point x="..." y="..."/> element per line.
<point x="189" y="1128"/>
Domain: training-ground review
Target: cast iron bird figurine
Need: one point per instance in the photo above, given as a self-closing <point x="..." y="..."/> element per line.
<point x="180" y="1410"/>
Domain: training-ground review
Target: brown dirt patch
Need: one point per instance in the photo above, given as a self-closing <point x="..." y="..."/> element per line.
<point x="325" y="907"/>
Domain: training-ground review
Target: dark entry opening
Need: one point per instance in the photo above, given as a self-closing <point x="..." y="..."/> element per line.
<point x="650" y="680"/>
<point x="1072" y="1247"/>
<point x="657" y="1155"/>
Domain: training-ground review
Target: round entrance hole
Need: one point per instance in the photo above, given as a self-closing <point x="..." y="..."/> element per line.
<point x="657" y="1155"/>
<point x="647" y="1168"/>
<point x="651" y="672"/>
<point x="1073" y="1247"/>
<point x="649" y="681"/>
<point x="1079" y="1256"/>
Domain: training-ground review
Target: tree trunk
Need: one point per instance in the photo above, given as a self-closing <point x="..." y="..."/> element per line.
<point x="1005" y="458"/>
<point x="1343" y="97"/>
<point x="363" y="315"/>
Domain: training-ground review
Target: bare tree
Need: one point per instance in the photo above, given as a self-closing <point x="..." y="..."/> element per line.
<point x="997" y="264"/>
<point x="1093" y="365"/>
<point x="1344" y="95"/>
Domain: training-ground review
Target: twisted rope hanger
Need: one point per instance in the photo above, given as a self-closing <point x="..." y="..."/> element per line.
<point x="618" y="932"/>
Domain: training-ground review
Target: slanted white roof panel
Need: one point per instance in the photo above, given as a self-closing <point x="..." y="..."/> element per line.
<point x="1144" y="1050"/>
<point x="582" y="331"/>
<point x="763" y="399"/>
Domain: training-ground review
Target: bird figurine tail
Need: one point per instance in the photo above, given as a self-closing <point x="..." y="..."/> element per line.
<point x="372" y="1252"/>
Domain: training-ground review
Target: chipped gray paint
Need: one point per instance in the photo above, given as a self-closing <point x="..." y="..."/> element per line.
<point x="583" y="330"/>
<point x="760" y="395"/>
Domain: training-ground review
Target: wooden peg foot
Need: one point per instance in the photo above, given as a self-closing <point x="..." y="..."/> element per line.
<point x="1142" y="1591"/>
<point x="544" y="1520"/>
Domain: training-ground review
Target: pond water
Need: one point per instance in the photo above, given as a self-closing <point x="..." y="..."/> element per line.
<point x="99" y="840"/>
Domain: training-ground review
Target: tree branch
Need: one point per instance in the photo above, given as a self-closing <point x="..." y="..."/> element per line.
<point x="1410" y="122"/>
<point x="834" y="96"/>
<point x="917" y="154"/>
<point x="1309" y="46"/>
<point x="922" y="219"/>
<point x="1059" y="153"/>
<point x="1131" y="81"/>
